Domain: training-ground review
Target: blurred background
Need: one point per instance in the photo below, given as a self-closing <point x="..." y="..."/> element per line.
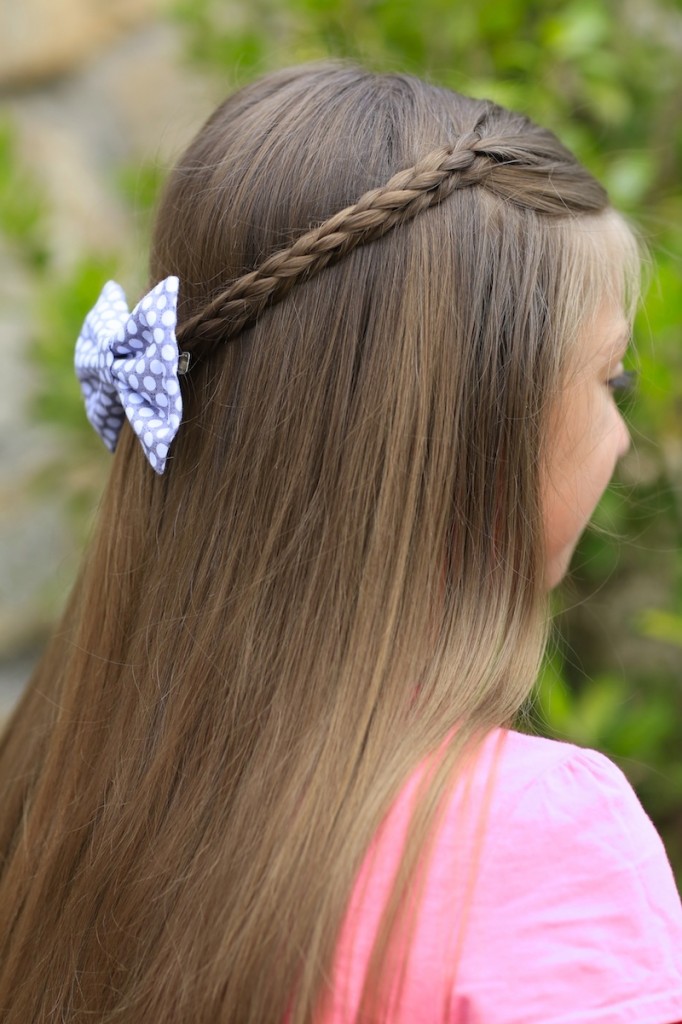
<point x="96" y="102"/>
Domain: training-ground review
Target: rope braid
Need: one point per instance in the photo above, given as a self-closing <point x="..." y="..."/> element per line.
<point x="405" y="195"/>
<point x="468" y="161"/>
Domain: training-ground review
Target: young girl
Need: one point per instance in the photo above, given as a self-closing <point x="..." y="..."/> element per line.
<point x="265" y="770"/>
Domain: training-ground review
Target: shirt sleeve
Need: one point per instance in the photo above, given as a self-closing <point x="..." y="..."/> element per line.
<point x="577" y="918"/>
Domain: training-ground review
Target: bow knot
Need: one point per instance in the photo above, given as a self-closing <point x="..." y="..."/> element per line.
<point x="128" y="365"/>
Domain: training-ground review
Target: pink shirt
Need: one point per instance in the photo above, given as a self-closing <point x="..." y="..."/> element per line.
<point x="574" y="916"/>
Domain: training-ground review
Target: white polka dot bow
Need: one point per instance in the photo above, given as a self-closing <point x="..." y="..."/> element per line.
<point x="127" y="365"/>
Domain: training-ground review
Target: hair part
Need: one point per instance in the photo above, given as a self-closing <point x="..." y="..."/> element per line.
<point x="339" y="573"/>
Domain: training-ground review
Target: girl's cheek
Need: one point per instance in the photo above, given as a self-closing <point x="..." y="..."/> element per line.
<point x="624" y="437"/>
<point x="615" y="443"/>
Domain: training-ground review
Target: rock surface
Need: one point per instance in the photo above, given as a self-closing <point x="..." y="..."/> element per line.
<point x="40" y="38"/>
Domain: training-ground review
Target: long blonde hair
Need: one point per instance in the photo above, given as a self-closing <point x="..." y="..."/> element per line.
<point x="381" y="284"/>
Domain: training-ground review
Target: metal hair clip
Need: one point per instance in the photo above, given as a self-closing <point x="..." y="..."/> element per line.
<point x="183" y="362"/>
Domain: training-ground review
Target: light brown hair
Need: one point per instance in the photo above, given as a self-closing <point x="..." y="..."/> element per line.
<point x="381" y="284"/>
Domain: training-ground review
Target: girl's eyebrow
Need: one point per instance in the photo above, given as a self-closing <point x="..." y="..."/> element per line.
<point x="614" y="348"/>
<point x="620" y="343"/>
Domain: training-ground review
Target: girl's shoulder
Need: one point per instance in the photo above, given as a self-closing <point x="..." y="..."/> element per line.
<point x="547" y="897"/>
<point x="521" y="785"/>
<point x="556" y="809"/>
<point x="555" y="778"/>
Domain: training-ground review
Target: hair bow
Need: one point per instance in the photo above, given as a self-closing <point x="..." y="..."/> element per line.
<point x="128" y="365"/>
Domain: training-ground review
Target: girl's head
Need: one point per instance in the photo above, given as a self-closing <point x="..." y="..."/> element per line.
<point x="392" y="295"/>
<point x="432" y="327"/>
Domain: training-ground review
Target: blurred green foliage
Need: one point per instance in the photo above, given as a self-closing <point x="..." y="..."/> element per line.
<point x="604" y="75"/>
<point x="62" y="299"/>
<point x="22" y="206"/>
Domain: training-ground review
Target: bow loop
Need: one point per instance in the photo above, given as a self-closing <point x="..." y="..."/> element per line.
<point x="127" y="364"/>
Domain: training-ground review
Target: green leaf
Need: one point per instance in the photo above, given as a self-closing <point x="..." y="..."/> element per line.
<point x="661" y="625"/>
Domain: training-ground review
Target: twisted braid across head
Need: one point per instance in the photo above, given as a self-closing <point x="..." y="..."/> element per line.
<point x="405" y="195"/>
<point x="468" y="161"/>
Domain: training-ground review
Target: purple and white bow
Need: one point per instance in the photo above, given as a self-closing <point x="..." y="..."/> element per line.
<point x="127" y="365"/>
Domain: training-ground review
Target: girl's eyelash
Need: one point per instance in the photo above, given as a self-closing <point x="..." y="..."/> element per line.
<point x="625" y="381"/>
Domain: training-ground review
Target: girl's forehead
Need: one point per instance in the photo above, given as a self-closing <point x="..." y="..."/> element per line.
<point x="606" y="335"/>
